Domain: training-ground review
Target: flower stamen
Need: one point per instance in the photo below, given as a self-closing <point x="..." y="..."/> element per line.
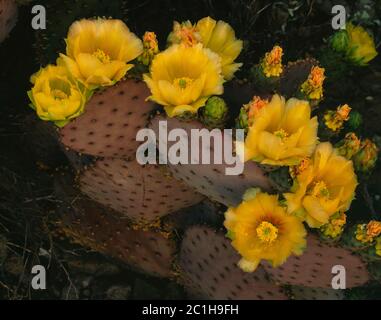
<point x="320" y="190"/>
<point x="183" y="83"/>
<point x="102" y="56"/>
<point x="267" y="232"/>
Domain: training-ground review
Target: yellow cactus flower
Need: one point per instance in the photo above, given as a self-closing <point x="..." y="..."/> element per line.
<point x="217" y="36"/>
<point x="183" y="78"/>
<point x="326" y="187"/>
<point x="313" y="86"/>
<point x="185" y="33"/>
<point x="272" y="62"/>
<point x="335" y="227"/>
<point x="334" y="120"/>
<point x="56" y="96"/>
<point x="98" y="51"/>
<point x="283" y="133"/>
<point x="261" y="229"/>
<point x="361" y="48"/>
<point x="150" y="48"/>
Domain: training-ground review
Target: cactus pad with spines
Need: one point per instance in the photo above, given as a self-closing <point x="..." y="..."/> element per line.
<point x="295" y="73"/>
<point x="141" y="193"/>
<point x="314" y="267"/>
<point x="211" y="179"/>
<point x="111" y="120"/>
<point x="209" y="269"/>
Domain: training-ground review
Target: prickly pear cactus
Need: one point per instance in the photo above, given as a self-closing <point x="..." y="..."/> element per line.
<point x="111" y="120"/>
<point x="314" y="267"/>
<point x="141" y="193"/>
<point x="97" y="228"/>
<point x="211" y="179"/>
<point x="208" y="269"/>
<point x="8" y="17"/>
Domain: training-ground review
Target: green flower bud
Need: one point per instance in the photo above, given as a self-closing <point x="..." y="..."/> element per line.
<point x="215" y="112"/>
<point x="355" y="120"/>
<point x="365" y="160"/>
<point x="242" y="120"/>
<point x="339" y="41"/>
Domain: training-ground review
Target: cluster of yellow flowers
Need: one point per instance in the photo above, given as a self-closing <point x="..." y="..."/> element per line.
<point x="312" y="88"/>
<point x="324" y="187"/>
<point x="335" y="227"/>
<point x="272" y="62"/>
<point x="334" y="120"/>
<point x="98" y="53"/>
<point x="199" y="59"/>
<point x="150" y="48"/>
<point x="363" y="153"/>
<point x="367" y="233"/>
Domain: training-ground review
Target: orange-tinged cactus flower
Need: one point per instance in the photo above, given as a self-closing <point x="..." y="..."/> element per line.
<point x="313" y="86"/>
<point x="349" y="146"/>
<point x="150" y="48"/>
<point x="272" y="62"/>
<point x="373" y="228"/>
<point x="185" y="33"/>
<point x="253" y="108"/>
<point x="367" y="233"/>
<point x="334" y="120"/>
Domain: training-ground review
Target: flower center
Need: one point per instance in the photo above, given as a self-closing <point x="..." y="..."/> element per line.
<point x="267" y="232"/>
<point x="281" y="133"/>
<point x="101" y="56"/>
<point x="59" y="94"/>
<point x="183" y="83"/>
<point x="320" y="190"/>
